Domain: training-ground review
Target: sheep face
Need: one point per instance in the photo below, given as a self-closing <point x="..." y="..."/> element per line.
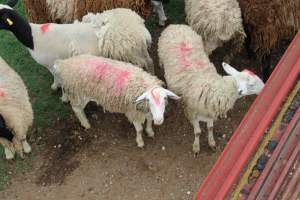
<point x="7" y="17"/>
<point x="157" y="98"/>
<point x="248" y="83"/>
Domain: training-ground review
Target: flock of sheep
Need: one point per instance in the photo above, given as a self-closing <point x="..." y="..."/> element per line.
<point x="104" y="58"/>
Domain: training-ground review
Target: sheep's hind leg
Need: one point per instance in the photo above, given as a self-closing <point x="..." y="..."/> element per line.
<point x="55" y="85"/>
<point x="78" y="106"/>
<point x="26" y="146"/>
<point x="139" y="130"/>
<point x="211" y="139"/>
<point x="8" y="149"/>
<point x="197" y="132"/>
<point x="149" y="129"/>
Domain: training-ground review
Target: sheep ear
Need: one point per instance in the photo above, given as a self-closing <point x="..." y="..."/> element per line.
<point x="141" y="98"/>
<point x="229" y="69"/>
<point x="171" y="94"/>
<point x="11" y="3"/>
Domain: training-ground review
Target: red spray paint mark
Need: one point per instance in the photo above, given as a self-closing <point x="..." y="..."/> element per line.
<point x="249" y="72"/>
<point x="110" y="74"/>
<point x="44" y="28"/>
<point x="2" y="94"/>
<point x="184" y="50"/>
<point x="155" y="97"/>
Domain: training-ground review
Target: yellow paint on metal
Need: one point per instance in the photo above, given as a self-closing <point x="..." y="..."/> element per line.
<point x="276" y="124"/>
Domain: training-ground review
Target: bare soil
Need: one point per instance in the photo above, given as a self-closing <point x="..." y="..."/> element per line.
<point x="104" y="163"/>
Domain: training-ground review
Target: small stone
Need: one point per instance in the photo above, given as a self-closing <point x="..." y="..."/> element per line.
<point x="163" y="148"/>
<point x="188" y="192"/>
<point x="224" y="136"/>
<point x="59" y="146"/>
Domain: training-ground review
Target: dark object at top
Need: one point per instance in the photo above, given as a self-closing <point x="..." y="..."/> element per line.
<point x="12" y="3"/>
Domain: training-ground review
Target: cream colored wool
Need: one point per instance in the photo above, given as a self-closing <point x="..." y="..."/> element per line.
<point x="85" y="86"/>
<point x="204" y="91"/>
<point x="15" y="106"/>
<point x="128" y="42"/>
<point x="216" y="21"/>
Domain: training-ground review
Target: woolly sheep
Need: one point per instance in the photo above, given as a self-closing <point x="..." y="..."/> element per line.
<point x="206" y="95"/>
<point x="48" y="42"/>
<point x="117" y="86"/>
<point x="16" y="113"/>
<point x="266" y="24"/>
<point x="217" y="22"/>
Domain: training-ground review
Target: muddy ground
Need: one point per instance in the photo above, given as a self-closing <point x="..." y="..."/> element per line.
<point x="104" y="163"/>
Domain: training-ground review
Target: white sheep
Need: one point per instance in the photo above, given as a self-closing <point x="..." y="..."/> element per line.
<point x="217" y="22"/>
<point x="121" y="35"/>
<point x="117" y="86"/>
<point x="16" y="113"/>
<point x="188" y="71"/>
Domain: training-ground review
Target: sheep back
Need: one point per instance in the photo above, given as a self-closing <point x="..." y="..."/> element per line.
<point x="267" y="22"/>
<point x="128" y="42"/>
<point x="113" y="84"/>
<point x="15" y="106"/>
<point x="189" y="72"/>
<point x="217" y="21"/>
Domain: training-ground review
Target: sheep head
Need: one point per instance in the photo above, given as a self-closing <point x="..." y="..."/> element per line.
<point x="157" y="98"/>
<point x="248" y="83"/>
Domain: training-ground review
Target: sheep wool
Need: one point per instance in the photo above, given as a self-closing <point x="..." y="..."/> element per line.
<point x="217" y="22"/>
<point x="15" y="106"/>
<point x="112" y="84"/>
<point x="116" y="37"/>
<point x="66" y="11"/>
<point x="189" y="73"/>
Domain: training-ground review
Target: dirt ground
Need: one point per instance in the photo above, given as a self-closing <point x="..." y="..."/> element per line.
<point x="105" y="163"/>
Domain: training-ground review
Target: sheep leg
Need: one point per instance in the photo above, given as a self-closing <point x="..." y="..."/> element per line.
<point x="26" y="146"/>
<point x="79" y="112"/>
<point x="211" y="139"/>
<point x="8" y="149"/>
<point x="159" y="9"/>
<point x="149" y="129"/>
<point x="139" y="138"/>
<point x="64" y="98"/>
<point x="55" y="84"/>
<point x="197" y="132"/>
<point x="18" y="146"/>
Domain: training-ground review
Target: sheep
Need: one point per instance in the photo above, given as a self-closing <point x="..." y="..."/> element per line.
<point x="206" y="95"/>
<point x="16" y="115"/>
<point x="266" y="23"/>
<point x="48" y="42"/>
<point x="66" y="11"/>
<point x="118" y="87"/>
<point x="218" y="22"/>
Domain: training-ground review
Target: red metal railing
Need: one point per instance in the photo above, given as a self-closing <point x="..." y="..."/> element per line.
<point x="245" y="139"/>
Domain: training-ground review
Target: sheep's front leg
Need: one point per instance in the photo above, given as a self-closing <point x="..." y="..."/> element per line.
<point x="197" y="132"/>
<point x="211" y="139"/>
<point x="79" y="112"/>
<point x="64" y="98"/>
<point x="55" y="84"/>
<point x="139" y="130"/>
<point x="149" y="129"/>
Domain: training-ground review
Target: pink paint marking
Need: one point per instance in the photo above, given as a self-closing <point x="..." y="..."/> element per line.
<point x="249" y="72"/>
<point x="44" y="28"/>
<point x="2" y="94"/>
<point x="183" y="52"/>
<point x="104" y="71"/>
<point x="156" y="98"/>
<point x="201" y="64"/>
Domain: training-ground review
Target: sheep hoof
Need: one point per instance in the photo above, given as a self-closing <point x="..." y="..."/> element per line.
<point x="54" y="86"/>
<point x="150" y="133"/>
<point x="196" y="149"/>
<point x="9" y="154"/>
<point x="26" y="147"/>
<point x="86" y="126"/>
<point x="140" y="144"/>
<point x="64" y="99"/>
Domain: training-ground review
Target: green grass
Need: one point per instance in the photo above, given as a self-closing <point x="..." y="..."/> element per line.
<point x="45" y="102"/>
